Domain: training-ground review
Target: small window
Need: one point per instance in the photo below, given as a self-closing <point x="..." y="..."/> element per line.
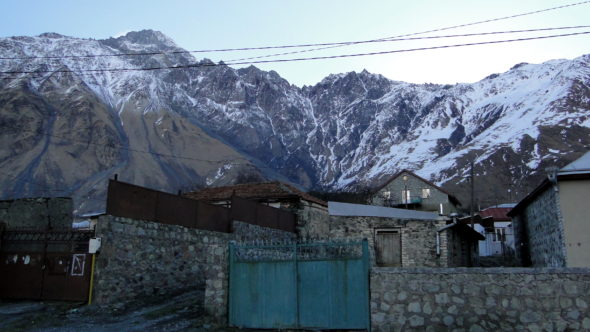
<point x="387" y="194"/>
<point x="406" y="196"/>
<point x="501" y="234"/>
<point x="425" y="192"/>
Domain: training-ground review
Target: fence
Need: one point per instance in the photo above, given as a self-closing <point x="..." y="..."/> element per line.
<point x="299" y="285"/>
<point x="135" y="202"/>
<point x="48" y="265"/>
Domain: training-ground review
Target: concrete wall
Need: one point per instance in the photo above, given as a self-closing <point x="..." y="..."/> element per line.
<point x="142" y="259"/>
<point x="418" y="237"/>
<point x="573" y="201"/>
<point x="539" y="228"/>
<point x="477" y="299"/>
<point x="415" y="186"/>
<point x="39" y="213"/>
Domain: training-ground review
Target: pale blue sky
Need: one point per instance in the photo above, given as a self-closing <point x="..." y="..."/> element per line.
<point x="197" y="25"/>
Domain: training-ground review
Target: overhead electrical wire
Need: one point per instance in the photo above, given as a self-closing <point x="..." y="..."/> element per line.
<point x="331" y="45"/>
<point x="211" y="64"/>
<point x="451" y="27"/>
<point x="424" y="38"/>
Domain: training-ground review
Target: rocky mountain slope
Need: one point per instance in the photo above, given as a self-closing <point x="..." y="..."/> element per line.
<point x="66" y="132"/>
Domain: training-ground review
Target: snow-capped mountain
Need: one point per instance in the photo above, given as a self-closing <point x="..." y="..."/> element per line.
<point x="66" y="132"/>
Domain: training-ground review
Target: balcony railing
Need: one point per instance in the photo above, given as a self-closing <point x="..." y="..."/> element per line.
<point x="397" y="202"/>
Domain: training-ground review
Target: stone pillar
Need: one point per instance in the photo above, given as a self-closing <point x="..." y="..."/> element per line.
<point x="217" y="283"/>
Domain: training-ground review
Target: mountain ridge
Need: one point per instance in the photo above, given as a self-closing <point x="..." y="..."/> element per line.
<point x="347" y="132"/>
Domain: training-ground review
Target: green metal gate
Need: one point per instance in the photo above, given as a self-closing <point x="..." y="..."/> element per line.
<point x="293" y="285"/>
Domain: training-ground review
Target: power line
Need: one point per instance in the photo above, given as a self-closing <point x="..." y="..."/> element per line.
<point x="197" y="65"/>
<point x="391" y="39"/>
<point x="331" y="45"/>
<point x="411" y="49"/>
<point x="425" y="38"/>
<point x="445" y="28"/>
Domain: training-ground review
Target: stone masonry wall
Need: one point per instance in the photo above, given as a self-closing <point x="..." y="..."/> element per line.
<point x="39" y="213"/>
<point x="247" y="232"/>
<point x="142" y="259"/>
<point x="312" y="221"/>
<point x="544" y="231"/>
<point x="479" y="299"/>
<point x="418" y="237"/>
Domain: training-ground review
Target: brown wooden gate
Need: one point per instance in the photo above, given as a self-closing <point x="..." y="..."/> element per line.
<point x="45" y="265"/>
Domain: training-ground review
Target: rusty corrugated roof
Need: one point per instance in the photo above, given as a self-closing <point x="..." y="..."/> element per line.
<point x="498" y="213"/>
<point x="264" y="190"/>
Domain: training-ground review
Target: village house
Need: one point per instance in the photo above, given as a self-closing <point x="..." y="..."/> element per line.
<point x="405" y="238"/>
<point x="551" y="223"/>
<point x="409" y="191"/>
<point x="312" y="212"/>
<point x="495" y="224"/>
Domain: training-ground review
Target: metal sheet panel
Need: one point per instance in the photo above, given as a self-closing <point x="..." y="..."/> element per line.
<point x="360" y="210"/>
<point x="270" y="308"/>
<point x="267" y="216"/>
<point x="46" y="265"/>
<point x="130" y="201"/>
<point x="309" y="286"/>
<point x="21" y="275"/>
<point x="176" y="210"/>
<point x="243" y="210"/>
<point x="287" y="221"/>
<point x="67" y="276"/>
<point x="213" y="217"/>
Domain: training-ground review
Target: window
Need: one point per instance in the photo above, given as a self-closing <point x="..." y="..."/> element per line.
<point x="406" y="196"/>
<point x="500" y="234"/>
<point x="387" y="194"/>
<point x="425" y="192"/>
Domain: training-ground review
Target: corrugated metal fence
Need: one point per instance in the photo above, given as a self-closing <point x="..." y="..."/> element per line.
<point x="45" y="264"/>
<point x="135" y="202"/>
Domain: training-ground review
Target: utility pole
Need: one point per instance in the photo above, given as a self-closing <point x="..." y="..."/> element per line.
<point x="472" y="178"/>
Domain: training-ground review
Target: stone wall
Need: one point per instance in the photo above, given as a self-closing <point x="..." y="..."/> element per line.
<point x="39" y="213"/>
<point x="312" y="220"/>
<point x="245" y="232"/>
<point x="145" y="259"/>
<point x="418" y="237"/>
<point x="478" y="299"/>
<point x="539" y="229"/>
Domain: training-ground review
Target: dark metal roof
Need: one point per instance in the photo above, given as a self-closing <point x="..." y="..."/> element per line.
<point x="466" y="231"/>
<point x="452" y="197"/>
<point x="498" y="213"/>
<point x="359" y="210"/>
<point x="257" y="191"/>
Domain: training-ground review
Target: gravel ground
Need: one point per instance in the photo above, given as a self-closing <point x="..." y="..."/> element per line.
<point x="177" y="313"/>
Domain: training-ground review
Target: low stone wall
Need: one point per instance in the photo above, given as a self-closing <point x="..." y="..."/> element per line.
<point x="140" y="259"/>
<point x="145" y="259"/>
<point x="479" y="299"/>
<point x="247" y="232"/>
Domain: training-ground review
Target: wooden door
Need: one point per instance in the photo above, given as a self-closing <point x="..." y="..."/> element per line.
<point x="388" y="248"/>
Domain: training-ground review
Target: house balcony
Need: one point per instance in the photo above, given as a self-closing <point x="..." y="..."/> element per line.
<point x="411" y="202"/>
